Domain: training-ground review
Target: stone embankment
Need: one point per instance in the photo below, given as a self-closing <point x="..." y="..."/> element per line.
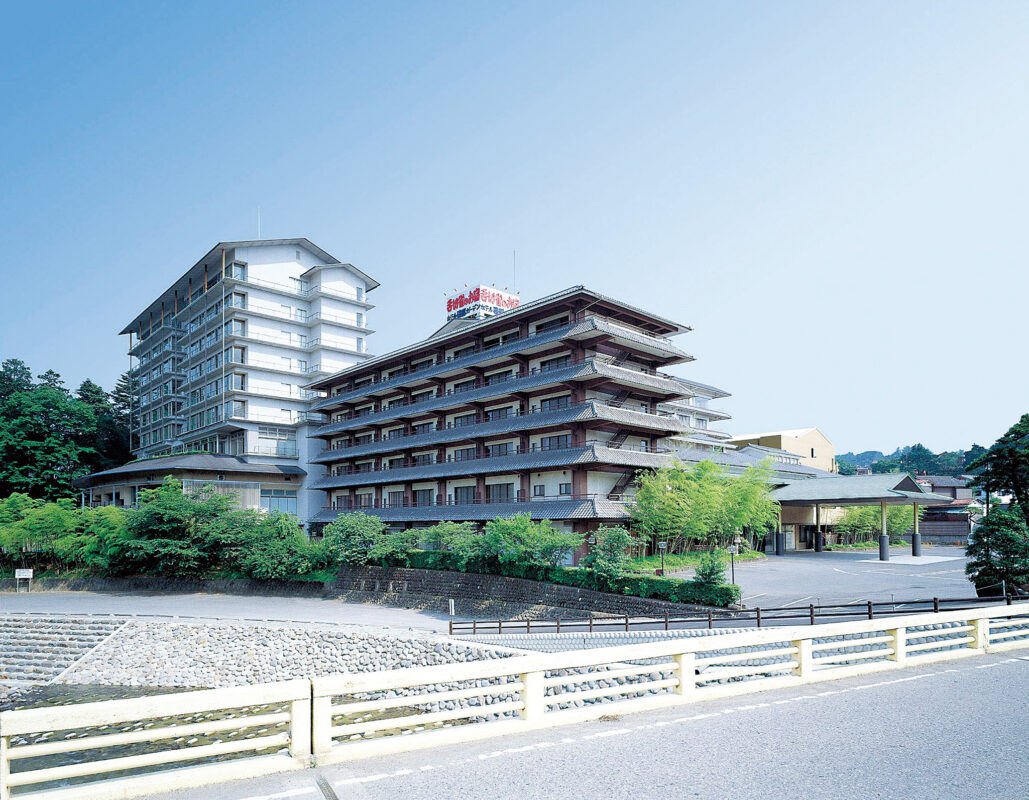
<point x="204" y="655"/>
<point x="36" y="649"/>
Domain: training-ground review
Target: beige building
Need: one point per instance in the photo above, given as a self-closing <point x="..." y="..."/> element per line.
<point x="810" y="444"/>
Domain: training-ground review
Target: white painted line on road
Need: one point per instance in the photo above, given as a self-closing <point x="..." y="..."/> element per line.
<point x="752" y="596"/>
<point x="801" y="600"/>
<point x="278" y="795"/>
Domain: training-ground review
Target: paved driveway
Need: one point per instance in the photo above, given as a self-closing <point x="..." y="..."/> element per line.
<point x="801" y="578"/>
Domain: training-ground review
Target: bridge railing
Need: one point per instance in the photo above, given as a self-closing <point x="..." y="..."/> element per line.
<point x="161" y="742"/>
<point x="384" y="712"/>
<point x="141" y="746"/>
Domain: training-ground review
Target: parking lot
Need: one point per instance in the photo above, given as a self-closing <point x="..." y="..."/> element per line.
<point x="804" y="577"/>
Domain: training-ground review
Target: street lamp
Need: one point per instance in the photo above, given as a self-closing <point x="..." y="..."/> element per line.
<point x="662" y="546"/>
<point x="734" y="548"/>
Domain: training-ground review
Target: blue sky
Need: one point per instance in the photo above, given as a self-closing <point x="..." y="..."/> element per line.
<point x="832" y="194"/>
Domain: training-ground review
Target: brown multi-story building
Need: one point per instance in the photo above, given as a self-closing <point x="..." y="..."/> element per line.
<point x="547" y="408"/>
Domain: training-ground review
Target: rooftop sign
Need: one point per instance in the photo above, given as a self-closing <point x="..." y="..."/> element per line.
<point x="480" y="302"/>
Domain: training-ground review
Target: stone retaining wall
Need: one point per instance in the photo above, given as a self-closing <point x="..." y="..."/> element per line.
<point x="432" y="588"/>
<point x="475" y="595"/>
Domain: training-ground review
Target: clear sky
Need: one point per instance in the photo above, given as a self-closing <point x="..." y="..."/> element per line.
<point x="833" y="195"/>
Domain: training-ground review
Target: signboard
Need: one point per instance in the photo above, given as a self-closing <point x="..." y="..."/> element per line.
<point x="23" y="574"/>
<point x="480" y="302"/>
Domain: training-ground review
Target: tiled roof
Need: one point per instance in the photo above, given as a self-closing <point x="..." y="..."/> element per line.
<point x="855" y="489"/>
<point x="189" y="462"/>
<point x="590" y="508"/>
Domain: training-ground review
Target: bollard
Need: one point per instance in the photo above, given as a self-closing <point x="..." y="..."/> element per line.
<point x="811" y="613"/>
<point x="758" y="609"/>
<point x="710" y="619"/>
<point x="936" y="605"/>
<point x="870" y="615"/>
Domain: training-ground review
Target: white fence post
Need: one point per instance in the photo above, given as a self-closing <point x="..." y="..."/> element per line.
<point x="805" y="662"/>
<point x="899" y="642"/>
<point x="5" y="769"/>
<point x="300" y="730"/>
<point x="687" y="670"/>
<point x="532" y="695"/>
<point x="980" y="634"/>
<point x="321" y="725"/>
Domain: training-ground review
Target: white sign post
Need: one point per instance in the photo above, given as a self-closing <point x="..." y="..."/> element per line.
<point x="23" y="575"/>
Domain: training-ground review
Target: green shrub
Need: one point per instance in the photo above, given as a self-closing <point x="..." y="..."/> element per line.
<point x="998" y="550"/>
<point x="711" y="569"/>
<point x="609" y="557"/>
<point x="351" y="538"/>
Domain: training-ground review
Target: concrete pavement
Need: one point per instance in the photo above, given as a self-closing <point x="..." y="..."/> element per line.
<point x="804" y="577"/>
<point x="942" y="731"/>
<point x="224" y="607"/>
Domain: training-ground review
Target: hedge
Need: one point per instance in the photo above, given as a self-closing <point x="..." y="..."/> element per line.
<point x="674" y="590"/>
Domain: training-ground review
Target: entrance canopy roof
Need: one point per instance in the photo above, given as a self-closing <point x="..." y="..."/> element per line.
<point x="857" y="490"/>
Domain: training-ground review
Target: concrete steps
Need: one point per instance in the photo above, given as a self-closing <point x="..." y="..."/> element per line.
<point x="36" y="649"/>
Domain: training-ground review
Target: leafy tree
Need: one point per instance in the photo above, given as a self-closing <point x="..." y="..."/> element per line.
<point x="519" y="540"/>
<point x="171" y="533"/>
<point x="864" y="523"/>
<point x="30" y="538"/>
<point x="271" y="546"/>
<point x="999" y="550"/>
<point x="44" y="441"/>
<point x="609" y="557"/>
<point x="846" y="468"/>
<point x="15" y="376"/>
<point x="110" y="441"/>
<point x="351" y="538"/>
<point x="52" y="380"/>
<point x="1005" y="466"/>
<point x="700" y="504"/>
<point x="88" y="545"/>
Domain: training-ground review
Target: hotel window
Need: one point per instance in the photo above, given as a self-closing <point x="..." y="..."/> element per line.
<point x="421" y="397"/>
<point x="423" y="427"/>
<point x="700" y="423"/>
<point x="464" y="494"/>
<point x="423" y="497"/>
<point x="284" y="500"/>
<point x="396" y="499"/>
<point x="236" y="408"/>
<point x="465" y="419"/>
<point x="564" y="488"/>
<point x="539" y="490"/>
<point x="497" y="449"/>
<point x="555" y="363"/>
<point x="424" y="459"/>
<point x="237" y="300"/>
<point x="500" y="492"/>
<point x="363" y="500"/>
<point x="464" y="386"/>
<point x="551" y="324"/>
<point x="499" y="377"/>
<point x="556" y="442"/>
<point x="238" y="271"/>
<point x="555" y="403"/>
<point x="498" y="413"/>
<point x="238" y="382"/>
<point x="236" y="355"/>
<point x="236" y="327"/>
<point x="464" y="454"/>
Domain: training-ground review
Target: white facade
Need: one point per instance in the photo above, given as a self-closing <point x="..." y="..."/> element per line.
<point x="222" y="356"/>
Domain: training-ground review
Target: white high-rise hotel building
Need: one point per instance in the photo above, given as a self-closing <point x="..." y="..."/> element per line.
<point x="222" y="356"/>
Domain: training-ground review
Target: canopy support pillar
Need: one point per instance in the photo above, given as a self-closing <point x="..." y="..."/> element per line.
<point x="819" y="542"/>
<point x="780" y="537"/>
<point x="916" y="537"/>
<point x="884" y="537"/>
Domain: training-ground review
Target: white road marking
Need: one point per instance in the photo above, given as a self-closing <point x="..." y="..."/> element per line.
<point x="801" y="600"/>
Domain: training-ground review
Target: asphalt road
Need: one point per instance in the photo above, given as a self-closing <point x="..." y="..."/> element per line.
<point x="950" y="730"/>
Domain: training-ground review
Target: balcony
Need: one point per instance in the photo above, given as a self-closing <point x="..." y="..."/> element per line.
<point x="515" y="459"/>
<point x="575" y="506"/>
<point x="481" y="391"/>
<point x="533" y="419"/>
<point x="511" y="346"/>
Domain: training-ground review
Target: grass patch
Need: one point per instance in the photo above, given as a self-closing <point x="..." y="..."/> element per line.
<point x="676" y="561"/>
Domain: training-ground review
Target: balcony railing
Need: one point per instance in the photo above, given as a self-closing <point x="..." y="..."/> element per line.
<point x="480" y="455"/>
<point x="410" y="502"/>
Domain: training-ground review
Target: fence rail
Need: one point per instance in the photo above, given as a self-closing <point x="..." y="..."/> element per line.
<point x="758" y="617"/>
<point x="339" y="718"/>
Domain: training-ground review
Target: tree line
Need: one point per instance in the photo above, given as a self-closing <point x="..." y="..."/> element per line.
<point x="913" y="459"/>
<point x="49" y="436"/>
